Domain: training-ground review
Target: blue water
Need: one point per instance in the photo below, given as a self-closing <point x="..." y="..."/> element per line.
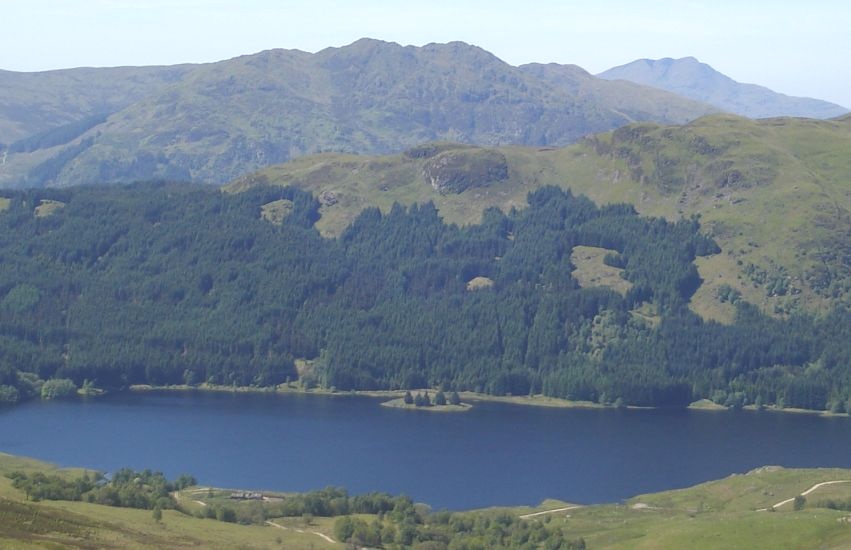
<point x="495" y="454"/>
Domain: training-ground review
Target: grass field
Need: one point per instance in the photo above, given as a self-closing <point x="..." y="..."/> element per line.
<point x="721" y="514"/>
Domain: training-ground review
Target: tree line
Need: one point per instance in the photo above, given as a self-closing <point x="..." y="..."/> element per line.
<point x="126" y="488"/>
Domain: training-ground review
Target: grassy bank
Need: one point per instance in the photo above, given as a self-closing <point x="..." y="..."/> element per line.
<point x="64" y="524"/>
<point x="752" y="510"/>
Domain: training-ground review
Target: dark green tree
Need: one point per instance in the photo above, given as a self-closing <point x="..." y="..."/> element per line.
<point x="440" y="398"/>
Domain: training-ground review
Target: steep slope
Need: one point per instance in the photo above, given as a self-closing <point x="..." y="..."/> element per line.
<point x="690" y="78"/>
<point x="224" y="119"/>
<point x="774" y="193"/>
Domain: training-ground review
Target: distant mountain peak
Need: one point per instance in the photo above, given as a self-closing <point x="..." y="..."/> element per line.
<point x="364" y="43"/>
<point x="691" y="78"/>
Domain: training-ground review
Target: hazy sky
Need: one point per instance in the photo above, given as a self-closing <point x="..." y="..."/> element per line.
<point x="794" y="47"/>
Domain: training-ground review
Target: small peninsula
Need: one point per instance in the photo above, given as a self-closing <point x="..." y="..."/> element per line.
<point x="423" y="402"/>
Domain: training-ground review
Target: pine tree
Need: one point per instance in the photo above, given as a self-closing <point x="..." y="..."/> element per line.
<point x="440" y="399"/>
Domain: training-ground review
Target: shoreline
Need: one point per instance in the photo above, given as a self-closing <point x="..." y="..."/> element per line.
<point x="390" y="395"/>
<point x="466" y="396"/>
<point x="399" y="403"/>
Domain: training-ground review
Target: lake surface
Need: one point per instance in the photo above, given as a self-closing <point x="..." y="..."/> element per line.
<point x="495" y="454"/>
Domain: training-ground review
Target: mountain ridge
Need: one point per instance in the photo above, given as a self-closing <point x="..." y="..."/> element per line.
<point x="217" y="121"/>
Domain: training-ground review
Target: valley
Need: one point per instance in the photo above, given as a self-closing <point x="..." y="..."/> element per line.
<point x="267" y="269"/>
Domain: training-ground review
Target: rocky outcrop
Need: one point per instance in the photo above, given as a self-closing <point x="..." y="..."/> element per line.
<point x="459" y="170"/>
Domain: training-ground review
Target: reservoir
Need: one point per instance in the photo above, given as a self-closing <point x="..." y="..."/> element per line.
<point x="495" y="454"/>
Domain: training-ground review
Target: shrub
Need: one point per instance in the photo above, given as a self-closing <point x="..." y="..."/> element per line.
<point x="58" y="388"/>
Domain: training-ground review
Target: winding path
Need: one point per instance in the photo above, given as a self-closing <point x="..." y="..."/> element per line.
<point x="317" y="533"/>
<point x="805" y="493"/>
<point x="565" y="509"/>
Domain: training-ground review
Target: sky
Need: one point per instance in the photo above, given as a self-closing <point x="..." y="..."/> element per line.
<point x="793" y="47"/>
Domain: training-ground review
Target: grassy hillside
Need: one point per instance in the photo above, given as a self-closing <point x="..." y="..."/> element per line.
<point x="62" y="524"/>
<point x="220" y="120"/>
<point x="774" y="193"/>
<point x="729" y="513"/>
<point x="740" y="511"/>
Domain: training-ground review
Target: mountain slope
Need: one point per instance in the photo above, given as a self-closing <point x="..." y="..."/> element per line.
<point x="224" y="119"/>
<point x="690" y="78"/>
<point x="179" y="284"/>
<point x="774" y="193"/>
<point x="31" y="103"/>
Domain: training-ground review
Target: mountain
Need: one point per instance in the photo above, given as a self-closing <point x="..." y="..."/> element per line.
<point x="774" y="194"/>
<point x="216" y="121"/>
<point x="690" y="78"/>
